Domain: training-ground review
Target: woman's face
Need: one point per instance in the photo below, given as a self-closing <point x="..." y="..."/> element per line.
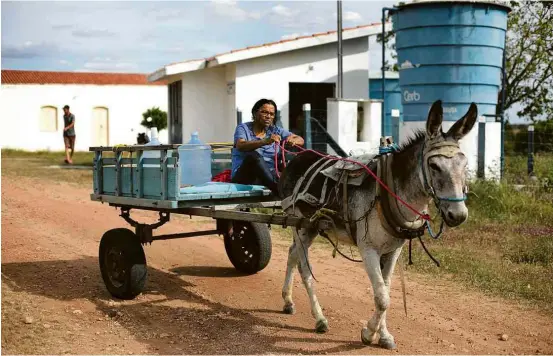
<point x="266" y="115"/>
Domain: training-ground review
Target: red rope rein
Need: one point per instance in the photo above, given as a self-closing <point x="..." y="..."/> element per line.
<point x="334" y="158"/>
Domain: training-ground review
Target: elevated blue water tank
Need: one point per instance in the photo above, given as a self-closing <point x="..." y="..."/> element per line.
<point x="450" y="50"/>
<point x="392" y="100"/>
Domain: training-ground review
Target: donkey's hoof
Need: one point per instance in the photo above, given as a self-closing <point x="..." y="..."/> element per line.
<point x="289" y="309"/>
<point x="366" y="336"/>
<point x="387" y="344"/>
<point x="321" y="326"/>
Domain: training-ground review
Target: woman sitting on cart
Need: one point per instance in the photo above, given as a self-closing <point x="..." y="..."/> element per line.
<point x="253" y="155"/>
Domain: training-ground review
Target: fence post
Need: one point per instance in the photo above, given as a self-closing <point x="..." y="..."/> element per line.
<point x="530" y="150"/>
<point x="307" y="125"/>
<point x="238" y="116"/>
<point x="481" y="156"/>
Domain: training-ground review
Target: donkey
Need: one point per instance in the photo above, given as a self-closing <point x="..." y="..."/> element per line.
<point x="429" y="167"/>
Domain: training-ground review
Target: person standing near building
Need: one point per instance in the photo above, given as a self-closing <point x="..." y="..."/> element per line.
<point x="68" y="133"/>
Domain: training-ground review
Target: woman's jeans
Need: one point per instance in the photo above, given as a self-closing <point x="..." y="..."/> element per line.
<point x="254" y="171"/>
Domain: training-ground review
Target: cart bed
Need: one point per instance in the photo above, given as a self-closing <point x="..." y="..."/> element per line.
<point x="153" y="182"/>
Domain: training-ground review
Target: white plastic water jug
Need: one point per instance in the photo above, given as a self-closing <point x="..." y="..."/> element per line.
<point x="194" y="162"/>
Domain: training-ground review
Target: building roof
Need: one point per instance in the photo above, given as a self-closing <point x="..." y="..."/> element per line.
<point x="265" y="49"/>
<point x="44" y="77"/>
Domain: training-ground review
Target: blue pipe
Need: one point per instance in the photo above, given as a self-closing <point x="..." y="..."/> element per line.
<point x="502" y="111"/>
<point x="383" y="113"/>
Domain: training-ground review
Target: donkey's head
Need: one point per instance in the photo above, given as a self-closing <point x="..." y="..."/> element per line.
<point x="444" y="164"/>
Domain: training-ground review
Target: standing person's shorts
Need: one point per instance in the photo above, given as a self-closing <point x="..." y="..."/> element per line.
<point x="69" y="141"/>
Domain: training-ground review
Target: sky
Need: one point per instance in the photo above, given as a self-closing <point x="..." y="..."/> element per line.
<point x="143" y="36"/>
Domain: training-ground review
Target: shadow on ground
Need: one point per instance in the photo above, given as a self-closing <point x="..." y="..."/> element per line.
<point x="194" y="323"/>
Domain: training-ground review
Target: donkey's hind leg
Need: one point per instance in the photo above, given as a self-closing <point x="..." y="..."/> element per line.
<point x="289" y="307"/>
<point x="304" y="238"/>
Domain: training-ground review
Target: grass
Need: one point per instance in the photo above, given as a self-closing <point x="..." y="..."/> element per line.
<point x="514" y="264"/>
<point x="506" y="246"/>
<point x="39" y="165"/>
<point x="516" y="167"/>
<point x="489" y="202"/>
<point x="504" y="249"/>
<point x="49" y="157"/>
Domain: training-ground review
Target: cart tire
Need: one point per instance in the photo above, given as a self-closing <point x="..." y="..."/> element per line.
<point x="248" y="246"/>
<point x="122" y="263"/>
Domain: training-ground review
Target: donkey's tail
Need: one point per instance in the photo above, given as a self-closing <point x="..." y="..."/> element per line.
<point x="402" y="276"/>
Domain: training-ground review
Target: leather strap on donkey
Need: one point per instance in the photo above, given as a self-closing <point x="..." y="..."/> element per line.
<point x="388" y="210"/>
<point x="310" y="174"/>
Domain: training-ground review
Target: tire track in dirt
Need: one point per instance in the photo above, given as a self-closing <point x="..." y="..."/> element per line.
<point x="195" y="302"/>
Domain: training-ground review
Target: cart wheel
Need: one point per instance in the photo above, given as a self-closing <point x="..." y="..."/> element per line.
<point x="122" y="263"/>
<point x="248" y="246"/>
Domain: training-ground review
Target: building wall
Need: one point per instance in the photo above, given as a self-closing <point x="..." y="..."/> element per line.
<point x="230" y="77"/>
<point x="21" y="109"/>
<point x="269" y="76"/>
<point x="206" y="105"/>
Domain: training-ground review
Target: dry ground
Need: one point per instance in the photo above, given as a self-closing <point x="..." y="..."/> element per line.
<point x="54" y="300"/>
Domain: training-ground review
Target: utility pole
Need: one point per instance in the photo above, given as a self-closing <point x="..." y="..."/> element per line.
<point x="339" y="91"/>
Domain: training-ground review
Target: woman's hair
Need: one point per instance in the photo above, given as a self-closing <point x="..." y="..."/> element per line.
<point x="260" y="103"/>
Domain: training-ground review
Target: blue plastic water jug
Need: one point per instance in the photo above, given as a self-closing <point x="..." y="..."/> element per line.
<point x="194" y="162"/>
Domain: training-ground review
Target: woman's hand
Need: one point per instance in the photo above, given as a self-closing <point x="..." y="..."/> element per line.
<point x="295" y="140"/>
<point x="274" y="138"/>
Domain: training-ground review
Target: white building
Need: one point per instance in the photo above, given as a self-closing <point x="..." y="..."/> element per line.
<point x="205" y="94"/>
<point x="108" y="108"/>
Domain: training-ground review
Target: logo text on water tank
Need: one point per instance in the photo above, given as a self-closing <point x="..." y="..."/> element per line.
<point x="414" y="96"/>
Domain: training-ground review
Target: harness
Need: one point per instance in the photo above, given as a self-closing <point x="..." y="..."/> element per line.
<point x="344" y="173"/>
<point x="390" y="215"/>
<point x="438" y="148"/>
<point x="389" y="212"/>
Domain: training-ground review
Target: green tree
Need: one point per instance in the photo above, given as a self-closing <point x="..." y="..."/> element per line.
<point x="529" y="54"/>
<point x="154" y="117"/>
<point x="529" y="64"/>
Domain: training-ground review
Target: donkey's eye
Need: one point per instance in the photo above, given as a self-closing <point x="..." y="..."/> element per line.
<point x="435" y="167"/>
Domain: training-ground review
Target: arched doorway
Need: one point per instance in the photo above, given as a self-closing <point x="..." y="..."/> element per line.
<point x="48" y="119"/>
<point x="100" y="127"/>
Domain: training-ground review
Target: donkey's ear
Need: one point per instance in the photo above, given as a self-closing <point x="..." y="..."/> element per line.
<point x="434" y="121"/>
<point x="465" y="124"/>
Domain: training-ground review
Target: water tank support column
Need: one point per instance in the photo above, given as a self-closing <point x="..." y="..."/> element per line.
<point x="383" y="68"/>
<point x="340" y="92"/>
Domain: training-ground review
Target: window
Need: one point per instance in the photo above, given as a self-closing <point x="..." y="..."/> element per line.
<point x="48" y="119"/>
<point x="175" y="112"/>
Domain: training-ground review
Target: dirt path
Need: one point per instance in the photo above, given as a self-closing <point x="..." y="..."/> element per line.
<point x="54" y="301"/>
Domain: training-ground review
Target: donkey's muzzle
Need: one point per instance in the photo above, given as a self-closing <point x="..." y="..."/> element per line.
<point x="455" y="215"/>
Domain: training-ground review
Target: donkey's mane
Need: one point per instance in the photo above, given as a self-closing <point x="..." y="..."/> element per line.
<point x="404" y="161"/>
<point x="413" y="140"/>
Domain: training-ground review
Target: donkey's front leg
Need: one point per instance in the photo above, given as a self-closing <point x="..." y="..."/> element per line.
<point x="304" y="238"/>
<point x="388" y="261"/>
<point x="371" y="258"/>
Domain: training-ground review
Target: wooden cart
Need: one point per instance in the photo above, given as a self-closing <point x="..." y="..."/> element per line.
<point x="123" y="178"/>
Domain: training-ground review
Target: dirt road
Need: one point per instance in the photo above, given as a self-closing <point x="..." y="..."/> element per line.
<point x="54" y="301"/>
